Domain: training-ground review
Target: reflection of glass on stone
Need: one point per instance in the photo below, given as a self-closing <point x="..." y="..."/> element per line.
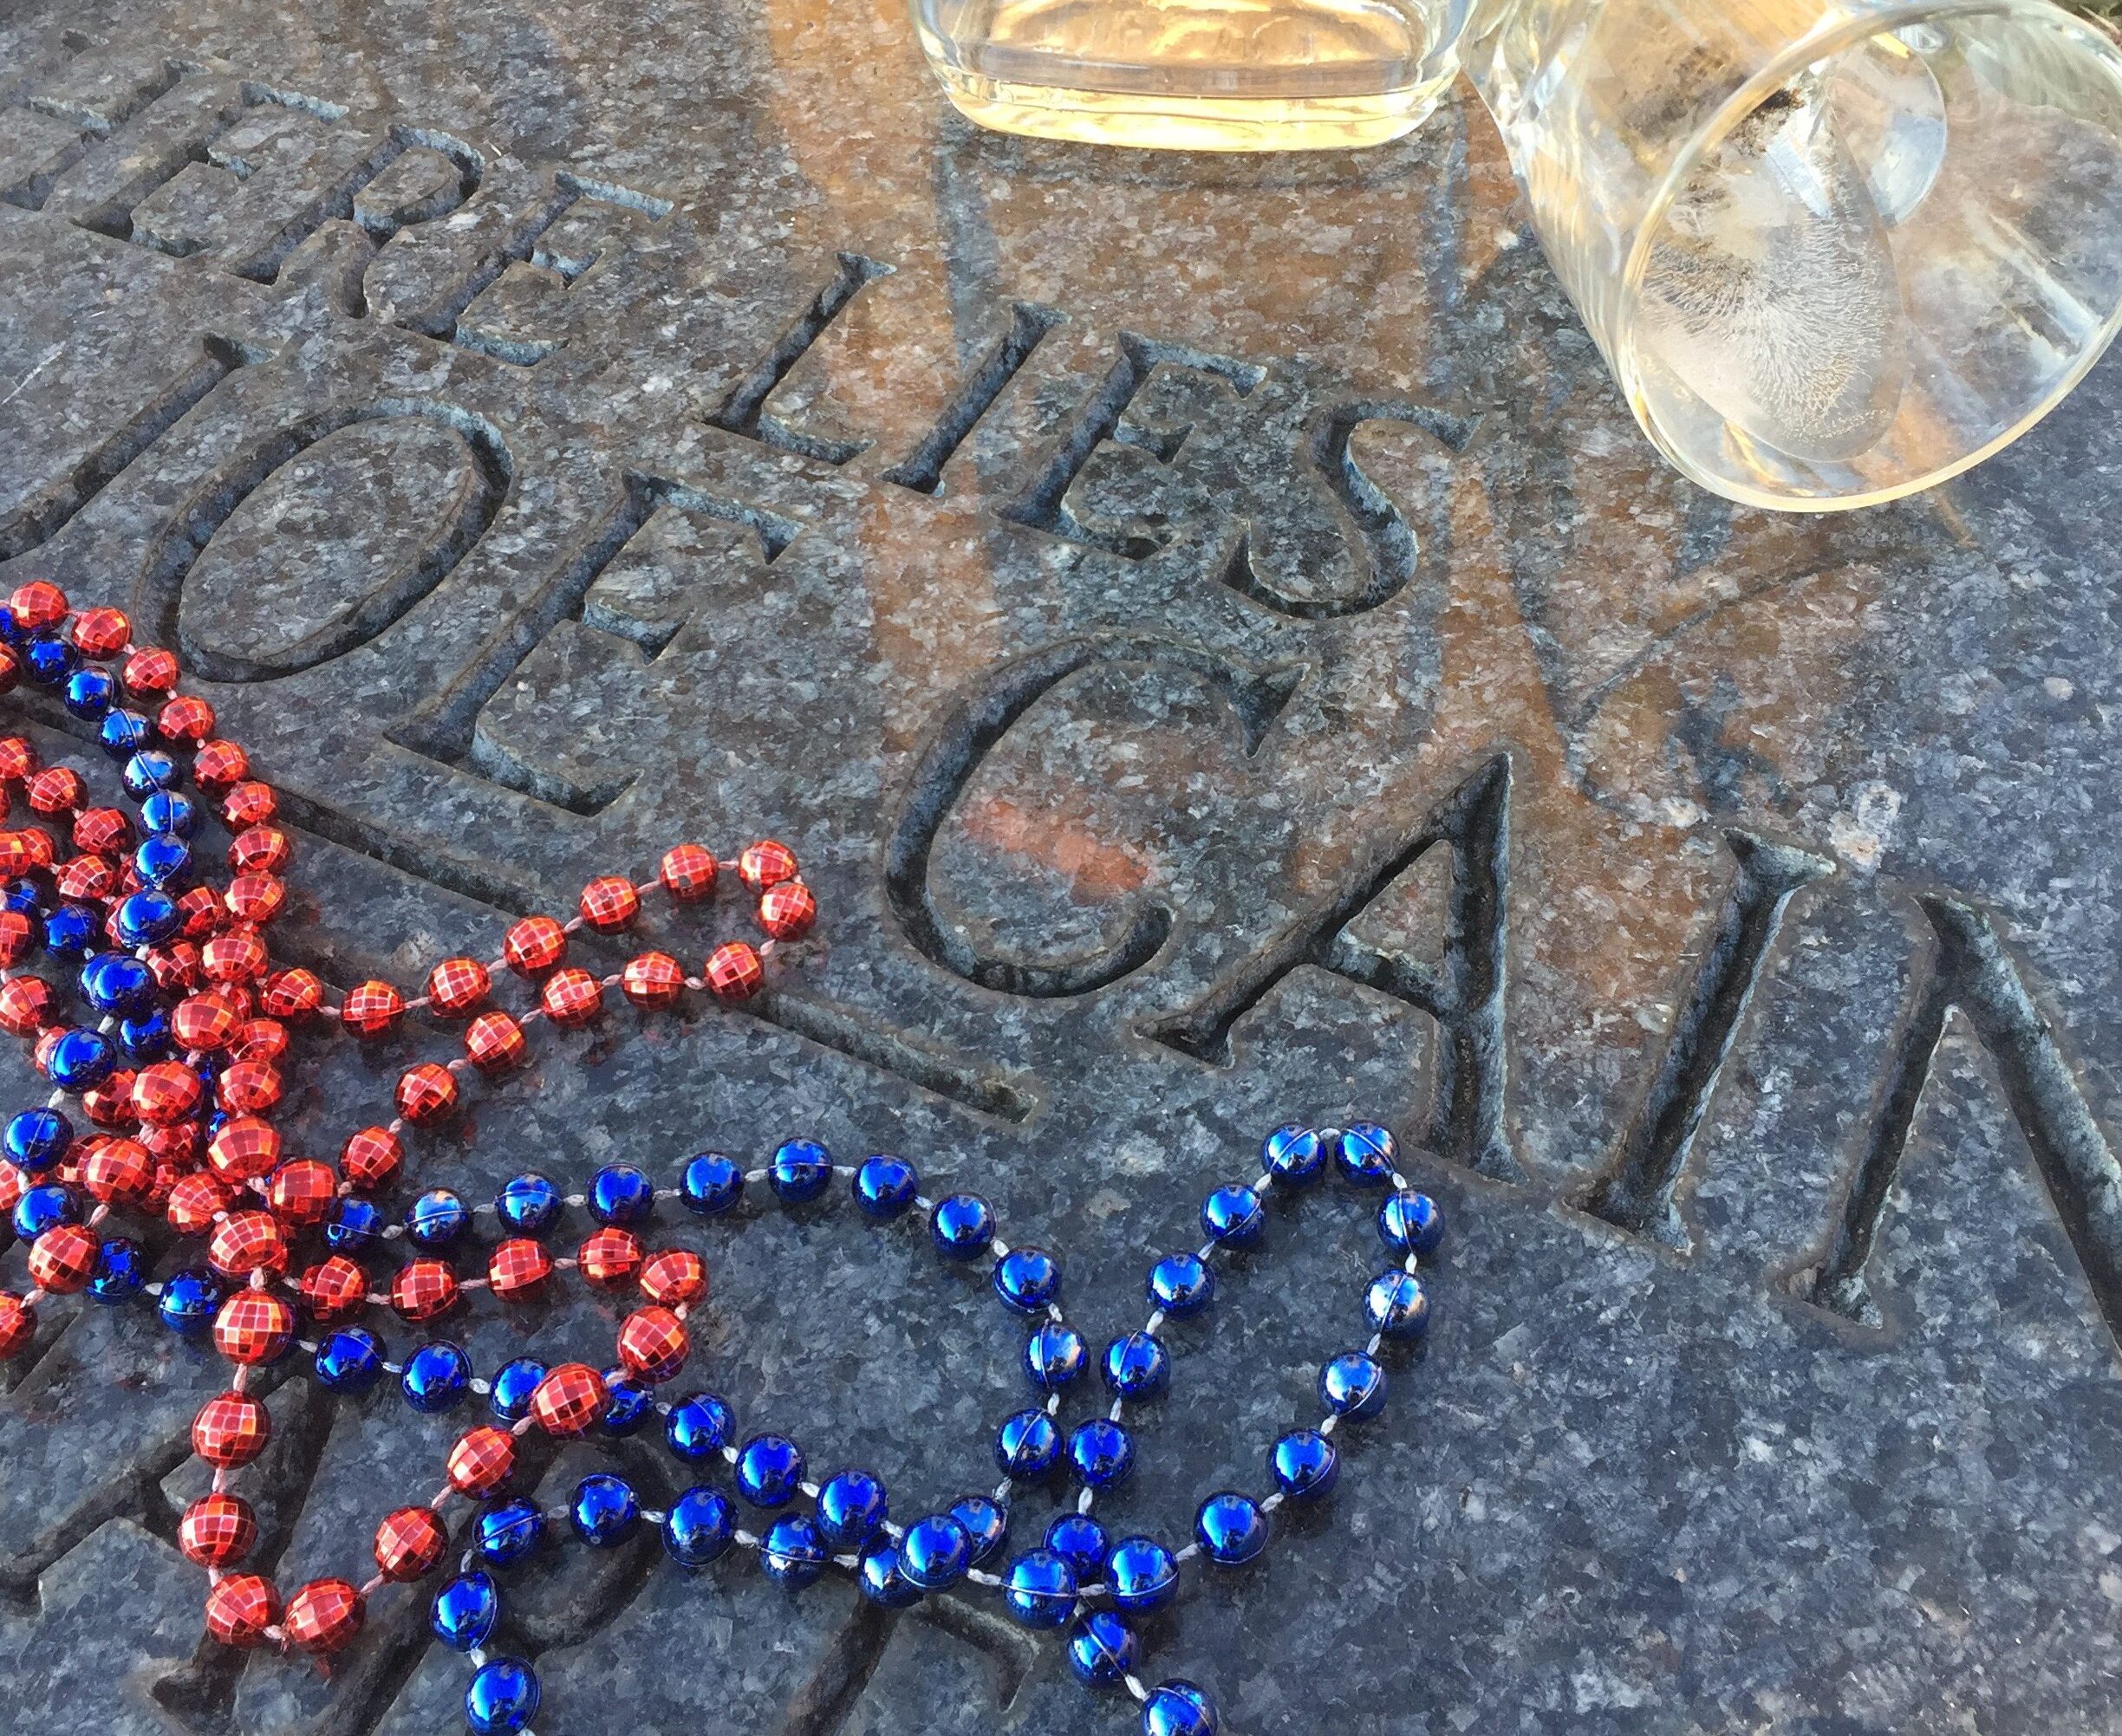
<point x="1834" y="250"/>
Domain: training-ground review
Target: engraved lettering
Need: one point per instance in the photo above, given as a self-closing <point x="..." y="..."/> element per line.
<point x="743" y="411"/>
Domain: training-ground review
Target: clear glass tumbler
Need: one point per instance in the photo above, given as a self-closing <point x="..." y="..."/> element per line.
<point x="1834" y="250"/>
<point x="1195" y="75"/>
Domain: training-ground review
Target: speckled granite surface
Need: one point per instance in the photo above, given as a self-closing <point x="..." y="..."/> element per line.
<point x="1224" y="654"/>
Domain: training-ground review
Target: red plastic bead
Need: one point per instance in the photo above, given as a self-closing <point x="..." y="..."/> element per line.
<point x="102" y="829"/>
<point x="494" y="1042"/>
<point x="39" y="851"/>
<point x="86" y="880"/>
<point x="334" y="1288"/>
<point x="423" y="1289"/>
<point x="787" y="910"/>
<point x="254" y="1326"/>
<point x="259" y="1039"/>
<point x="25" y="1003"/>
<point x="653" y="1343"/>
<point x="101" y="633"/>
<point x="735" y="972"/>
<point x="292" y="994"/>
<point x="216" y="1529"/>
<point x="256" y="898"/>
<point x="57" y="790"/>
<point x="458" y="985"/>
<point x="18" y="1324"/>
<point x="244" y="1150"/>
<point x="110" y="1105"/>
<point x="534" y="946"/>
<point x="323" y="1615"/>
<point x="244" y="1241"/>
<point x="569" y="1399"/>
<point x="12" y="1182"/>
<point x="372" y="1009"/>
<point x="240" y="1608"/>
<point x="249" y="803"/>
<point x="18" y="759"/>
<point x="517" y="1267"/>
<point x="230" y="1430"/>
<point x="193" y="1203"/>
<point x="165" y="1092"/>
<point x="202" y="911"/>
<point x="371" y="1157"/>
<point x="178" y="1144"/>
<point x="655" y="980"/>
<point x="675" y="1278"/>
<point x="572" y="997"/>
<point x="609" y="903"/>
<point x="609" y="1257"/>
<point x="765" y="863"/>
<point x="117" y="1169"/>
<point x="249" y="1088"/>
<point x="220" y="766"/>
<point x="301" y="1192"/>
<point x="688" y="872"/>
<point x="482" y="1461"/>
<point x="409" y="1541"/>
<point x="426" y="1093"/>
<point x="16" y="937"/>
<point x="63" y="1258"/>
<point x="150" y="670"/>
<point x="10" y="669"/>
<point x="176" y="965"/>
<point x="37" y="605"/>
<point x="240" y="957"/>
<point x="187" y="718"/>
<point x="204" y="1021"/>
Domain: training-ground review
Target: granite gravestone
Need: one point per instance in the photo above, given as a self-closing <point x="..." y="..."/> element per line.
<point x="1224" y="655"/>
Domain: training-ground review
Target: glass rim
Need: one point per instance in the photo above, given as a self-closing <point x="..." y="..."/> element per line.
<point x="1847" y="30"/>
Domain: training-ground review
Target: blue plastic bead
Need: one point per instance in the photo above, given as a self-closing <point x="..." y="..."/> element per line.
<point x="117" y="982"/>
<point x="509" y="1531"/>
<point x="145" y="919"/>
<point x="711" y="1184"/>
<point x="45" y="1207"/>
<point x="1137" y="1366"/>
<point x="514" y="1385"/>
<point x="1353" y="1385"/>
<point x="1397" y="1305"/>
<point x="349" y="1361"/>
<point x="1181" y="1284"/>
<point x="353" y="1228"/>
<point x="1305" y="1464"/>
<point x="123" y="732"/>
<point x="1178" y="1708"/>
<point x="436" y="1219"/>
<point x="167" y="812"/>
<point x="1101" y="1452"/>
<point x="852" y="1509"/>
<point x="121" y="1270"/>
<point x="189" y="1301"/>
<point x="962" y="1226"/>
<point x="700" y="1527"/>
<point x="1293" y="1154"/>
<point x="49" y="659"/>
<point x="1231" y="1529"/>
<point x="465" y="1611"/>
<point x="604" y="1510"/>
<point x="72" y="929"/>
<point x="89" y="693"/>
<point x="36" y="1139"/>
<point x="886" y="1186"/>
<point x="770" y="1467"/>
<point x="145" y="1037"/>
<point x="1054" y="1355"/>
<point x="527" y="1204"/>
<point x="1102" y="1650"/>
<point x="1080" y="1540"/>
<point x="1141" y="1573"/>
<point x="80" y="1059"/>
<point x="619" y="1193"/>
<point x="1038" y="1589"/>
<point x="163" y="861"/>
<point x="881" y="1582"/>
<point x="1027" y="1446"/>
<point x="1366" y="1154"/>
<point x="1410" y="1223"/>
<point x="148" y="771"/>
<point x="436" y="1376"/>
<point x="935" y="1553"/>
<point x="627" y="1405"/>
<point x="699" y="1426"/>
<point x="1233" y="1216"/>
<point x="793" y="1553"/>
<point x="1028" y="1279"/>
<point x="801" y="1170"/>
<point x="986" y="1525"/>
<point x="504" y="1697"/>
<point x="24" y="896"/>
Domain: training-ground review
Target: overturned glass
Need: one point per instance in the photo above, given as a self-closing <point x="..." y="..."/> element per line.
<point x="1834" y="250"/>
